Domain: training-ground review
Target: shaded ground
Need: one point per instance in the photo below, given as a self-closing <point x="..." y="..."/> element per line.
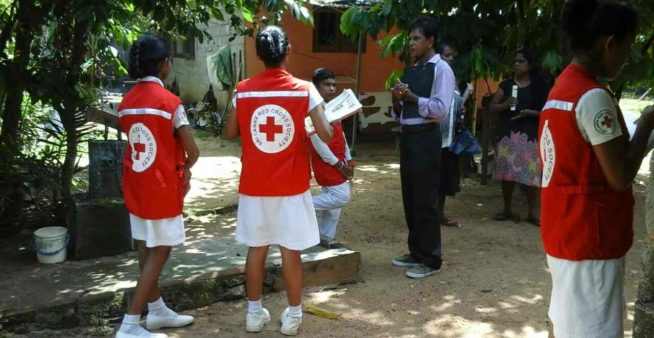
<point x="494" y="281"/>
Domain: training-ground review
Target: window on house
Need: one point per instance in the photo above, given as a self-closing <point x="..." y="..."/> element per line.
<point x="184" y="48"/>
<point x="327" y="36"/>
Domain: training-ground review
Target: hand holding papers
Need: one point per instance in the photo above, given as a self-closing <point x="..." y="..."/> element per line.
<point x="467" y="93"/>
<point x="339" y="108"/>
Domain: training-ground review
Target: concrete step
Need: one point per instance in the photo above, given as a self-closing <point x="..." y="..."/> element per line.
<point x="202" y="272"/>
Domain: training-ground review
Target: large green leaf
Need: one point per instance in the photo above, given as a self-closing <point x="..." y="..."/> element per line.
<point x="222" y="62"/>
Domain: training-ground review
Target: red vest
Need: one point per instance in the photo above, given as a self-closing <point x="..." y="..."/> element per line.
<point x="271" y="108"/>
<point x="154" y="158"/>
<point x="582" y="216"/>
<point x="325" y="174"/>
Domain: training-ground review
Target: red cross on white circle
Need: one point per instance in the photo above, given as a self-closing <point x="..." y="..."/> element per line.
<point x="270" y="129"/>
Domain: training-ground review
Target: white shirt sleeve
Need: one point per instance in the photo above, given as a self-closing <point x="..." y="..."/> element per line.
<point x="597" y="117"/>
<point x="314" y="97"/>
<point x="180" y="117"/>
<point x="323" y="150"/>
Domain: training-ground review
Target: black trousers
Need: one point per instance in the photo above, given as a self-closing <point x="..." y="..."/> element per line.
<point x="420" y="164"/>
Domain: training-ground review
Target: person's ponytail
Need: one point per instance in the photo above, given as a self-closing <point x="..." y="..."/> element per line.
<point x="145" y="56"/>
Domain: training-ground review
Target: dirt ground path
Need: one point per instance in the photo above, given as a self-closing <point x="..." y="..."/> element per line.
<point x="494" y="281"/>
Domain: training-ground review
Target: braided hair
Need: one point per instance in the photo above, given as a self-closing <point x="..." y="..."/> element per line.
<point x="272" y="46"/>
<point x="146" y="55"/>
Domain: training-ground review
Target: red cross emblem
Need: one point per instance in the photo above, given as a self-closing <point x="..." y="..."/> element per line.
<point x="270" y="129"/>
<point x="139" y="148"/>
<point x="607" y="122"/>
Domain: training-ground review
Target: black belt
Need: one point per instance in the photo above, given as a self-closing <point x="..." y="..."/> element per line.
<point x="417" y="128"/>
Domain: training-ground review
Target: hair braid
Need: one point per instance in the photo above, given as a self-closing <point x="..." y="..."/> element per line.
<point x="146" y="55"/>
<point x="272" y="45"/>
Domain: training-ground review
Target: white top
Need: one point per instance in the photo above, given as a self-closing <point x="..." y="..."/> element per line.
<point x="325" y="153"/>
<point x="314" y="98"/>
<point x="597" y="117"/>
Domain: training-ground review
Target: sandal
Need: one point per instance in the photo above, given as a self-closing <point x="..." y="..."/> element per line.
<point x="533" y="220"/>
<point x="448" y="222"/>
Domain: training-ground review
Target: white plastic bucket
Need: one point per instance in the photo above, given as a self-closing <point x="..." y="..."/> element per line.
<point x="50" y="244"/>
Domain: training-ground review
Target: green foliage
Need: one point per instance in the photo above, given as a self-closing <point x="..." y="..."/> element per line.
<point x="487" y="33"/>
<point x="390" y="81"/>
<point x="29" y="179"/>
<point x="57" y="55"/>
<point x="222" y="61"/>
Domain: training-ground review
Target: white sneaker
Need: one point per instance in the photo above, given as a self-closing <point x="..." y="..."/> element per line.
<point x="290" y="325"/>
<point x="139" y="332"/>
<point x="254" y="322"/>
<point x="167" y="318"/>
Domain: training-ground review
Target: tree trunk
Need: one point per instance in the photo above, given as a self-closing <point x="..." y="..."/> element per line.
<point x="644" y="308"/>
<point x="71" y="105"/>
<point x="70" y="160"/>
<point x="16" y="70"/>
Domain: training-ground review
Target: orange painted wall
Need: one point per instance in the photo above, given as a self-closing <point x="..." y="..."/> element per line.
<point x="483" y="87"/>
<point x="303" y="61"/>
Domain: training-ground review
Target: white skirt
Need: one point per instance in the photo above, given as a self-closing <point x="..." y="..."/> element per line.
<point x="587" y="297"/>
<point x="160" y="232"/>
<point x="287" y="221"/>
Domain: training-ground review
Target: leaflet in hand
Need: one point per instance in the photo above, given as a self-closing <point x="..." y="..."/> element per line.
<point x="467" y="93"/>
<point x="342" y="106"/>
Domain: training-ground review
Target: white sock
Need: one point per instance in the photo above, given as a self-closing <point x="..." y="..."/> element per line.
<point x="159" y="308"/>
<point x="130" y="324"/>
<point x="156" y="305"/>
<point x="255" y="306"/>
<point x="295" y="311"/>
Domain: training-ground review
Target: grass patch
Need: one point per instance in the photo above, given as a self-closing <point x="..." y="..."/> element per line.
<point x="203" y="134"/>
<point x="633" y="106"/>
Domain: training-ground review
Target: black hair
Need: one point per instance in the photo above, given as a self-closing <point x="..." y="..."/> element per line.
<point x="533" y="61"/>
<point x="427" y="26"/>
<point x="536" y="75"/>
<point x="583" y="21"/>
<point x="272" y="45"/>
<point x="322" y="74"/>
<point x="146" y="54"/>
<point x="440" y="49"/>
